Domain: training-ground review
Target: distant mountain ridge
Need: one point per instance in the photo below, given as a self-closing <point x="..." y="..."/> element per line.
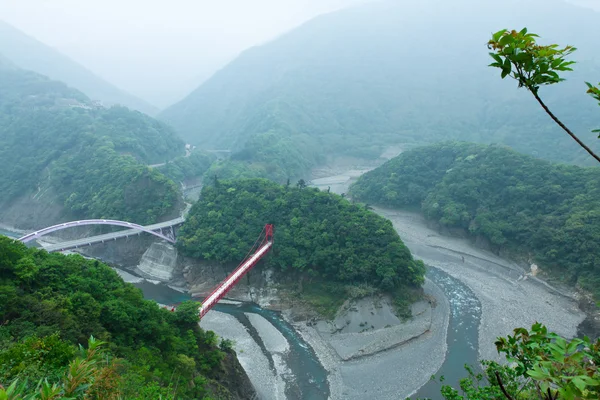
<point x="31" y="54"/>
<point x="65" y="156"/>
<point x="401" y="71"/>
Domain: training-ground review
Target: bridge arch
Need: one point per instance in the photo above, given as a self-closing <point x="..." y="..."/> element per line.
<point x="66" y="225"/>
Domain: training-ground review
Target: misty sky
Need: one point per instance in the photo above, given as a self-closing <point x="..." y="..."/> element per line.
<point x="159" y="50"/>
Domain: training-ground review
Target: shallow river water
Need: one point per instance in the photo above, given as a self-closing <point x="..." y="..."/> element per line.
<point x="465" y="312"/>
<point x="311" y="377"/>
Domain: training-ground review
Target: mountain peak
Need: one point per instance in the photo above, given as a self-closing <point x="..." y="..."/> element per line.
<point x="31" y="54"/>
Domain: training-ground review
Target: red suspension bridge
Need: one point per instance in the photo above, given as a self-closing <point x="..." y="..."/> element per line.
<point x="260" y="250"/>
<point x="261" y="247"/>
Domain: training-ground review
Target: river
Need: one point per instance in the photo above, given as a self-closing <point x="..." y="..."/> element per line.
<point x="310" y="379"/>
<point x="462" y="337"/>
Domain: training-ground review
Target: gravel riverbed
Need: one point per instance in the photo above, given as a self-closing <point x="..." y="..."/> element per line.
<point x="390" y="374"/>
<point x="268" y="379"/>
<point x="509" y="297"/>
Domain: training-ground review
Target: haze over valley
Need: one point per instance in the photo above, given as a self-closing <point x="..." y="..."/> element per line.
<point x="299" y="199"/>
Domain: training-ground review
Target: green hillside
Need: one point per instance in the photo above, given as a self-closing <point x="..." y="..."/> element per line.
<point x="53" y="139"/>
<point x="320" y="236"/>
<point x="49" y="303"/>
<point x="549" y="213"/>
<point x="352" y="81"/>
<point x="28" y="53"/>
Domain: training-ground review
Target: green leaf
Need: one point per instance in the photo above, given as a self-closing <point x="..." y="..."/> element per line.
<point x="496" y="36"/>
<point x="506" y="39"/>
<point x="496" y="57"/>
<point x="556" y="63"/>
<point x="537" y="374"/>
<point x="507" y="66"/>
<point x="579" y="383"/>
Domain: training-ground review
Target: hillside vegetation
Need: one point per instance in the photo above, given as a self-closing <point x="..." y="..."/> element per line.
<point x="317" y="234"/>
<point x="547" y="212"/>
<point x="353" y="81"/>
<point x="53" y="139"/>
<point x="28" y="53"/>
<point x="50" y="302"/>
<point x="182" y="168"/>
<point x="270" y="155"/>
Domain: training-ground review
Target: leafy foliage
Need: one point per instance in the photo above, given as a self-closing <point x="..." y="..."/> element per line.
<point x="548" y="212"/>
<point x="519" y="56"/>
<point x="542" y="366"/>
<point x="63" y="300"/>
<point x="317" y="233"/>
<point x="90" y="375"/>
<point x="594" y="91"/>
<point x="55" y="142"/>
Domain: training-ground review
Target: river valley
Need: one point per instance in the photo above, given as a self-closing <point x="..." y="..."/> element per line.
<point x="475" y="296"/>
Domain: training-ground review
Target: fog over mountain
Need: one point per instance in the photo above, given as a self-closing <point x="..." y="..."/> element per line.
<point x="159" y="50"/>
<point x="400" y="71"/>
<point x="29" y="53"/>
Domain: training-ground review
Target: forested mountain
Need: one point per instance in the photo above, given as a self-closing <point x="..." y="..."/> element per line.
<point x="49" y="303"/>
<point x="318" y="234"/>
<point x="547" y="212"/>
<point x="193" y="166"/>
<point x="58" y="146"/>
<point x="393" y="71"/>
<point x="28" y="53"/>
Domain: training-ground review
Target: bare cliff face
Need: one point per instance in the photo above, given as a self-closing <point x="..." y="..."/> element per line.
<point x="30" y="212"/>
<point x="257" y="286"/>
<point x="159" y="261"/>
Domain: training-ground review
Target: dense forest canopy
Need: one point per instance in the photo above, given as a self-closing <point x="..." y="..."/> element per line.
<point x="351" y="82"/>
<point x="272" y="155"/>
<point x="317" y="233"/>
<point x="50" y="302"/>
<point x="28" y="53"/>
<point x="54" y="139"/>
<point x="548" y="212"/>
<point x="182" y="168"/>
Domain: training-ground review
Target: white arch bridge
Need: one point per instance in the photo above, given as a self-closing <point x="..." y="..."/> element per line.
<point x="261" y="247"/>
<point x="163" y="230"/>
